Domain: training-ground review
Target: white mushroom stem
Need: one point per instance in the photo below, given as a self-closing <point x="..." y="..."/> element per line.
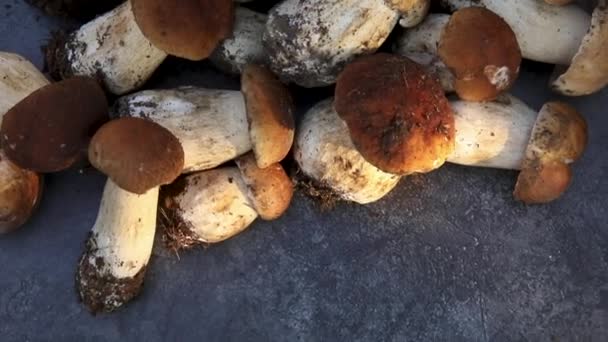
<point x="18" y="79"/>
<point x="309" y="41"/>
<point x="546" y="33"/>
<point x="112" y="47"/>
<point x="245" y="44"/>
<point x="325" y="152"/>
<point x="492" y="134"/>
<point x="210" y="124"/>
<point x="213" y="206"/>
<point x="112" y="269"/>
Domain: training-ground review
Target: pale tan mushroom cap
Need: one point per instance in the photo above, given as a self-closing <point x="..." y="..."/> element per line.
<point x="270" y="111"/>
<point x="270" y="189"/>
<point x="588" y="72"/>
<point x="559" y="138"/>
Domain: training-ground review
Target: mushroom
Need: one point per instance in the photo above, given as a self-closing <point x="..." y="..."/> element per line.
<point x="125" y="46"/>
<point x="476" y="45"/>
<point x="325" y="153"/>
<point x="244" y="46"/>
<point x="138" y="156"/>
<point x="20" y="189"/>
<point x="507" y="134"/>
<point x="214" y="205"/>
<point x="309" y="42"/>
<point x="49" y="130"/>
<point x="558" y="2"/>
<point x="215" y="126"/>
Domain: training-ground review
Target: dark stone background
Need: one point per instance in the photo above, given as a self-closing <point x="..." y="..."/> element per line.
<point x="447" y="256"/>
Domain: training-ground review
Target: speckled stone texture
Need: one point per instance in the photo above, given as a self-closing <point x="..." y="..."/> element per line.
<point x="448" y="256"/>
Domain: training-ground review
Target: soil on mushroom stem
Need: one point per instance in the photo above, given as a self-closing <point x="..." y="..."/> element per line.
<point x="325" y="197"/>
<point x="78" y="9"/>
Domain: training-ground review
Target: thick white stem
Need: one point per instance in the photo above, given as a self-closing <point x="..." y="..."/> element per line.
<point x="213" y="206"/>
<point x="210" y="124"/>
<point x="18" y="79"/>
<point x="325" y="152"/>
<point x="546" y="33"/>
<point x="492" y="134"/>
<point x="309" y="42"/>
<point x="112" y="268"/>
<point x="245" y="44"/>
<point x="113" y="47"/>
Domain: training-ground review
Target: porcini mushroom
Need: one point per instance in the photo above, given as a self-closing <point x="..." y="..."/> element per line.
<point x="112" y="268"/>
<point x="476" y="45"/>
<point x="49" y="130"/>
<point x="244" y="46"/>
<point x="20" y="189"/>
<point x="215" y="126"/>
<point x="214" y="205"/>
<point x="125" y="46"/>
<point x="309" y="42"/>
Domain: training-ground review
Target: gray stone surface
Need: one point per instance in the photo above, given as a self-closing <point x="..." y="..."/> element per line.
<point x="448" y="256"/>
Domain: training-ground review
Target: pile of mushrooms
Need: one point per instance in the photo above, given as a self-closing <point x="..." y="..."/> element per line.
<point x="200" y="165"/>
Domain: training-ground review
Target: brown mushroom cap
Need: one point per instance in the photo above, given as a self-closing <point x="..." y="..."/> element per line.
<point x="189" y="29"/>
<point x="137" y="154"/>
<point x="558" y="138"/>
<point x="270" y="111"/>
<point x="482" y="52"/>
<point x="270" y="189"/>
<point x="49" y="130"/>
<point x="397" y="114"/>
<point x="20" y="193"/>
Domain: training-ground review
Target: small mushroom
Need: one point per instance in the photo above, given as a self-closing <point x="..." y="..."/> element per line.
<point x="309" y="42"/>
<point x="507" y="134"/>
<point x="214" y="205"/>
<point x="476" y="45"/>
<point x="49" y="130"/>
<point x="112" y="268"/>
<point x="136" y="154"/>
<point x="244" y="46"/>
<point x="125" y="46"/>
<point x="215" y="126"/>
<point x="20" y="189"/>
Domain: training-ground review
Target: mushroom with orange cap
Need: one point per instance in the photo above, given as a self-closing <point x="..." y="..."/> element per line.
<point x="215" y="126"/>
<point x="477" y="46"/>
<point x="308" y="42"/>
<point x="125" y="46"/>
<point x="577" y="40"/>
<point x="138" y="156"/>
<point x="214" y="205"/>
<point x="20" y="189"/>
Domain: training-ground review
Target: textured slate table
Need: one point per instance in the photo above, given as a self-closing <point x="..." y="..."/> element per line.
<point x="447" y="256"/>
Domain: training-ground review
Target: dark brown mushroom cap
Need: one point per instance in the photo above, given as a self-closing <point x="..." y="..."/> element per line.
<point x="270" y="111"/>
<point x="482" y="52"/>
<point x="189" y="29"/>
<point x="137" y="154"/>
<point x="559" y="138"/>
<point x="397" y="114"/>
<point x="49" y="130"/>
<point x="20" y="193"/>
<point x="270" y="189"/>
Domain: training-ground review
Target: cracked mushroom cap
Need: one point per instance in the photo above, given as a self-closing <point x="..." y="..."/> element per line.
<point x="137" y="154"/>
<point x="270" y="189"/>
<point x="270" y="111"/>
<point x="482" y="52"/>
<point x="397" y="114"/>
<point x="48" y="130"/>
<point x="559" y="138"/>
<point x="188" y="29"/>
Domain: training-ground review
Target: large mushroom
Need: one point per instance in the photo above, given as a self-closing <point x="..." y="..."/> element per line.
<point x="214" y="205"/>
<point x="478" y="48"/>
<point x="215" y="126"/>
<point x="309" y="42"/>
<point x="125" y="46"/>
<point x="576" y="39"/>
<point x="137" y="155"/>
